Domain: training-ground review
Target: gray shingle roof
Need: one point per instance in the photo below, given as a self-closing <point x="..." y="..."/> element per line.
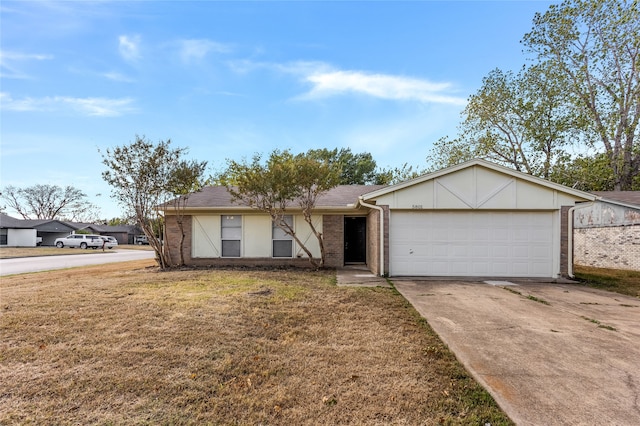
<point x="54" y="225"/>
<point x="7" y="221"/>
<point x="626" y="197"/>
<point x="340" y="196"/>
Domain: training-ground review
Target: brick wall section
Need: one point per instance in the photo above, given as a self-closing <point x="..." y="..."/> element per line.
<point x="564" y="240"/>
<point x="172" y="239"/>
<point x="373" y="241"/>
<point x="333" y="237"/>
<point x="616" y="247"/>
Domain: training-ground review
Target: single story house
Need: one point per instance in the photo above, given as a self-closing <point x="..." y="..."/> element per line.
<point x="607" y="231"/>
<point x="472" y="219"/>
<point x="124" y="234"/>
<point x="16" y="233"/>
<point x="31" y="232"/>
<point x="50" y="229"/>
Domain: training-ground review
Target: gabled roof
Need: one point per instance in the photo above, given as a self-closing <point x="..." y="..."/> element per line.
<point x="9" y="222"/>
<point x="54" y="225"/>
<point x="625" y="198"/>
<point x="341" y="196"/>
<point x="50" y="225"/>
<point x="481" y="163"/>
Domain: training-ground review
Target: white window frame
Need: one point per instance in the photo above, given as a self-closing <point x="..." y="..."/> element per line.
<point x="232" y="233"/>
<point x="278" y="235"/>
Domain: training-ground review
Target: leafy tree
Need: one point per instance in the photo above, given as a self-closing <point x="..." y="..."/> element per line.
<point x="283" y="181"/>
<point x="121" y="221"/>
<point x="50" y="202"/>
<point x="447" y="152"/>
<point x="584" y="172"/>
<point x="354" y="169"/>
<point x="518" y="120"/>
<point x="142" y="175"/>
<point x="390" y="176"/>
<point x="185" y="179"/>
<point x="361" y="169"/>
<point x="594" y="46"/>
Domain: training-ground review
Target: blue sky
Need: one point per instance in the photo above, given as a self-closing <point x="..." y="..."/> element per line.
<point x="229" y="79"/>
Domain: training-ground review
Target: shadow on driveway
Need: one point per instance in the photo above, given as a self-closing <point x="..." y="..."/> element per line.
<point x="549" y="354"/>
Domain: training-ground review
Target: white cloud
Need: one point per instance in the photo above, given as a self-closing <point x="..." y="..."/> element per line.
<point x="129" y="47"/>
<point x="381" y="86"/>
<point x="116" y="76"/>
<point x="9" y="61"/>
<point x="326" y="81"/>
<point x="197" y="49"/>
<point x="99" y="107"/>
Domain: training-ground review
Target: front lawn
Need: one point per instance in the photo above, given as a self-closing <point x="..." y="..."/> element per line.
<point x="127" y="344"/>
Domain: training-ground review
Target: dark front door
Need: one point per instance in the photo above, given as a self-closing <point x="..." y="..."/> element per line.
<point x="355" y="239"/>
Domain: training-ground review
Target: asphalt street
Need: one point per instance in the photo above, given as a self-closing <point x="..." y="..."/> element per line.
<point x="46" y="263"/>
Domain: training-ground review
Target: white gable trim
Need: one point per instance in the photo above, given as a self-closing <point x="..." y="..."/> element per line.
<point x="482" y="163"/>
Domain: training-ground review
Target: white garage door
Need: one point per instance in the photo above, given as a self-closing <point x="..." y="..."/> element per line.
<point x="489" y="244"/>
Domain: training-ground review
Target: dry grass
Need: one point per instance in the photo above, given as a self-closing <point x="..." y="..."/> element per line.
<point x="616" y="280"/>
<point x="13" y="252"/>
<point x="126" y="344"/>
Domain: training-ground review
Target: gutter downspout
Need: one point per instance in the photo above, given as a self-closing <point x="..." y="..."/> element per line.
<point x="381" y="210"/>
<point x="570" y="236"/>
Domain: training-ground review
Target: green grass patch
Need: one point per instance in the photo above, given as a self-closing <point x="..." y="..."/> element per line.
<point x="530" y="297"/>
<point x="616" y="280"/>
<point x="512" y="291"/>
<point x="537" y="299"/>
<point x="599" y="324"/>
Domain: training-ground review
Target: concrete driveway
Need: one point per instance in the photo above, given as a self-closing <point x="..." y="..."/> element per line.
<point x="573" y="361"/>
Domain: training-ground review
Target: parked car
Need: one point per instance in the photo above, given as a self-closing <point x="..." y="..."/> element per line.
<point x="109" y="242"/>
<point x="82" y="241"/>
<point x="142" y="239"/>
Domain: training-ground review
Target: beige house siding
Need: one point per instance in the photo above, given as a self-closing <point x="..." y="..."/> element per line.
<point x="202" y="244"/>
<point x="614" y="247"/>
<point x="476" y="188"/>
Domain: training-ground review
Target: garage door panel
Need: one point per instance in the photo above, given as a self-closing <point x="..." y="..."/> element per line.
<point x="464" y="243"/>
<point x="480" y="268"/>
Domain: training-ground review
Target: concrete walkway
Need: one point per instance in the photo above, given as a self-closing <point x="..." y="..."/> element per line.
<point x="359" y="276"/>
<point x="550" y="354"/>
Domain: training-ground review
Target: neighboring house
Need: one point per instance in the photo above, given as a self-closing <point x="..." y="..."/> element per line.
<point x="125" y="234"/>
<point x="50" y="229"/>
<point x="607" y="231"/>
<point x="473" y="219"/>
<point x="31" y="232"/>
<point x="16" y="233"/>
